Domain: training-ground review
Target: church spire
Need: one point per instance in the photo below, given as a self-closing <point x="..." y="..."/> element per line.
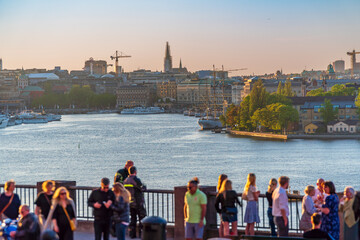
<point x="168" y="59"/>
<point x="180" y="65"/>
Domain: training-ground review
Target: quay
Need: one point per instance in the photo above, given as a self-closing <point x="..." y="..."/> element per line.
<point x="292" y="136"/>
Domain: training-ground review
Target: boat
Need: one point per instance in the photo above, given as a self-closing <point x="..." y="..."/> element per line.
<point x="208" y="123"/>
<point x="186" y="113"/>
<point x="149" y="110"/>
<point x="143" y="110"/>
<point x="3" y="121"/>
<point x="53" y="117"/>
<point x="11" y="121"/>
<point x="30" y="117"/>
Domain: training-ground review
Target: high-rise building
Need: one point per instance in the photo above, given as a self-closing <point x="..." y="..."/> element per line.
<point x="0" y="64"/>
<point x="95" y="67"/>
<point x="168" y="59"/>
<point x="339" y="66"/>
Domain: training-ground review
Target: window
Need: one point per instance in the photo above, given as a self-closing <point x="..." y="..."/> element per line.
<point x="341" y="129"/>
<point x="348" y="106"/>
<point x="308" y="129"/>
<point x="330" y="129"/>
<point x="316" y="108"/>
<point x="316" y="117"/>
<point x="341" y="116"/>
<point x="351" y="129"/>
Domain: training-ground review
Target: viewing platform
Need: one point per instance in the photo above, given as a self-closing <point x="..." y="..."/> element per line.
<point x="167" y="204"/>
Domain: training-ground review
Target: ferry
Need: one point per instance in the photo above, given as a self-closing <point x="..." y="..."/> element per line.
<point x="143" y="110"/>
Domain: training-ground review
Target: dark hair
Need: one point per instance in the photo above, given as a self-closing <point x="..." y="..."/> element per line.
<point x="194" y="182"/>
<point x="331" y="186"/>
<point x="283" y="180"/>
<point x="105" y="181"/>
<point x="316" y="219"/>
<point x="132" y="169"/>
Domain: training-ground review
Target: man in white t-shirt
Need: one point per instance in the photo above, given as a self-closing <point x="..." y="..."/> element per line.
<point x="280" y="209"/>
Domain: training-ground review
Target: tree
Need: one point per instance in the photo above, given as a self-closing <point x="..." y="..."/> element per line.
<point x="327" y="112"/>
<point x="231" y="116"/>
<point x="278" y="98"/>
<point x="316" y="92"/>
<point x="245" y="117"/>
<point x="279" y="89"/>
<point x="258" y="97"/>
<point x="287" y="91"/>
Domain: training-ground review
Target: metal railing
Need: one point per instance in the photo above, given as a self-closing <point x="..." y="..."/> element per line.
<point x="162" y="203"/>
<point x="158" y="202"/>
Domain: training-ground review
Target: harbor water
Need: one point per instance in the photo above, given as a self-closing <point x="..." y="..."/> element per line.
<point x="168" y="150"/>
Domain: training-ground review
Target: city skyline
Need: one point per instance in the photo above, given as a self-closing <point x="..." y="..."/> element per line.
<point x="263" y="36"/>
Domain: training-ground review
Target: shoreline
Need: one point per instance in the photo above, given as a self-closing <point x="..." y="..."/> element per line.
<point x="292" y="136"/>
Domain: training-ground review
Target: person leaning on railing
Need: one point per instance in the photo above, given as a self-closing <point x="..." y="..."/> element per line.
<point x="221" y="179"/>
<point x="271" y="188"/>
<point x="308" y="208"/>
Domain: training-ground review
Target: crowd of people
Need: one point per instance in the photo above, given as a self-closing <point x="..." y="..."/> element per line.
<point x="114" y="209"/>
<point x="123" y="207"/>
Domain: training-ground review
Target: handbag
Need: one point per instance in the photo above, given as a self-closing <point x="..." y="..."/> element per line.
<point x="2" y="215"/>
<point x="72" y="223"/>
<point x="231" y="210"/>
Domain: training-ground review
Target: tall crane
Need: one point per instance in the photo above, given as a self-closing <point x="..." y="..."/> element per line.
<point x="116" y="56"/>
<point x="353" y="61"/>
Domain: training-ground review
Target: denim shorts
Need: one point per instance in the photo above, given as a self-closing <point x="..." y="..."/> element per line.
<point x="225" y="217"/>
<point x="192" y="230"/>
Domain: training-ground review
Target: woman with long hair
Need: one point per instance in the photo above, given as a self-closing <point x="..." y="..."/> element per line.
<point x="252" y="212"/>
<point x="221" y="179"/>
<point x="330" y="216"/>
<point x="121" y="210"/>
<point x="271" y="188"/>
<point x="227" y="198"/>
<point x="62" y="214"/>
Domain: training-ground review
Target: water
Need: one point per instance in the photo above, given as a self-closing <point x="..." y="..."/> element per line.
<point x="168" y="150"/>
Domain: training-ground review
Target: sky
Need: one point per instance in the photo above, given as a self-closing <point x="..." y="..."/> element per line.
<point x="261" y="35"/>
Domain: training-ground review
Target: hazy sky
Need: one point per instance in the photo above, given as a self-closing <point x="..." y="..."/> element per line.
<point x="261" y="35"/>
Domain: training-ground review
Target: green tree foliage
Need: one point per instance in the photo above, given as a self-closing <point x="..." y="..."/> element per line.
<point x="245" y="117"/>
<point x="231" y="117"/>
<point x="336" y="90"/>
<point x="287" y="91"/>
<point x="258" y="97"/>
<point x="81" y="97"/>
<point x="278" y="98"/>
<point x="327" y="112"/>
<point x="279" y="89"/>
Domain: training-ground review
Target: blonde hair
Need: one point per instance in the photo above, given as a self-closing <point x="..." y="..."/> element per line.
<point x="251" y="179"/>
<point x="222" y="178"/>
<point x="272" y="186"/>
<point x="308" y="189"/>
<point x="7" y="184"/>
<point x="56" y="195"/>
<point x="226" y="186"/>
<point x="118" y="188"/>
<point x="47" y="183"/>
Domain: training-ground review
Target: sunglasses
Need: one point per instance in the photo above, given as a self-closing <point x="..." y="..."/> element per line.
<point x="63" y="193"/>
<point x="106" y="187"/>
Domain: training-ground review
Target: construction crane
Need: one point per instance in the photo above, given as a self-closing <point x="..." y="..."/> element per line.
<point x="116" y="56"/>
<point x="353" y="61"/>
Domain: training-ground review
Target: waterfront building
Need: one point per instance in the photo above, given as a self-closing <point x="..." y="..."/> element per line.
<point x="166" y="89"/>
<point x="36" y="78"/>
<point x="30" y="93"/>
<point x="347" y="126"/>
<point x="309" y="108"/>
<point x="134" y="95"/>
<point x="236" y="90"/>
<point x="271" y="85"/>
<point x="312" y="127"/>
<point x="339" y="66"/>
<point x="203" y="93"/>
<point x="23" y="81"/>
<point x="8" y="84"/>
<point x="95" y="66"/>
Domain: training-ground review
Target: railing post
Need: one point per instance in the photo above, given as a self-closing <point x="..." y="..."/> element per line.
<point x="61" y="183"/>
<point x="179" y="194"/>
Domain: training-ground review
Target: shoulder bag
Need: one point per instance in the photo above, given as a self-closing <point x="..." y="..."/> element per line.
<point x="71" y="222"/>
<point x="2" y="215"/>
